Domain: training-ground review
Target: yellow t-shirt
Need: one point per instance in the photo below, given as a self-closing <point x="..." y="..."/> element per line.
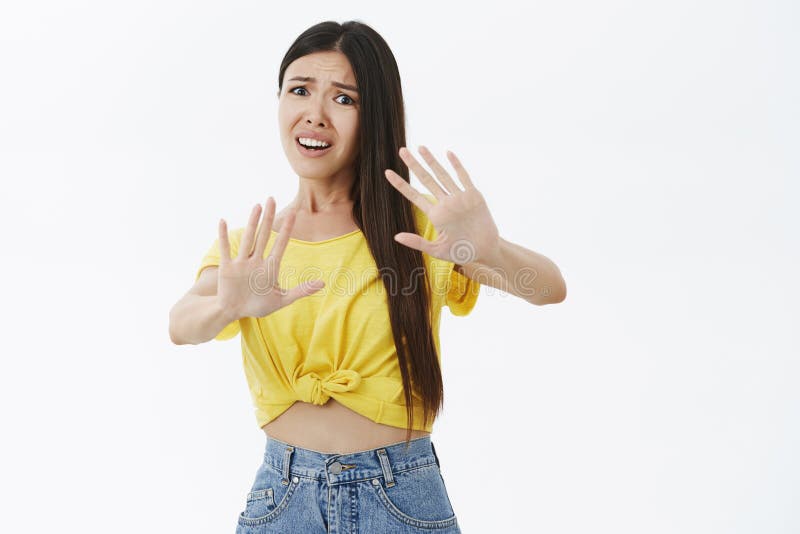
<point x="338" y="341"/>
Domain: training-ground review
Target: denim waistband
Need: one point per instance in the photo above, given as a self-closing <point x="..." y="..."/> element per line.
<point x="336" y="468"/>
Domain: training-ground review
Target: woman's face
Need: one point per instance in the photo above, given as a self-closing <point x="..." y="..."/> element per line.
<point x="316" y="105"/>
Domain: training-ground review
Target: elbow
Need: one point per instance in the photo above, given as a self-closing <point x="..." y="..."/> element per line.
<point x="174" y="339"/>
<point x="549" y="295"/>
<point x="173" y="336"/>
<point x="560" y="295"/>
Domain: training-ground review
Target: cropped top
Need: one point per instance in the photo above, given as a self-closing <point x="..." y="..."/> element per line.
<point x="338" y="341"/>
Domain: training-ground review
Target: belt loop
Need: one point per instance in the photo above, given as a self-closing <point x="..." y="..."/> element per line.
<point x="435" y="456"/>
<point x="286" y="455"/>
<point x="386" y="467"/>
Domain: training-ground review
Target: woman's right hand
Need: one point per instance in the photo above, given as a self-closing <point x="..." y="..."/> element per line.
<point x="247" y="285"/>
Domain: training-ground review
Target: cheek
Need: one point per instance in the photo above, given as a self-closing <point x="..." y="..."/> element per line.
<point x="287" y="113"/>
<point x="352" y="132"/>
<point x="283" y="116"/>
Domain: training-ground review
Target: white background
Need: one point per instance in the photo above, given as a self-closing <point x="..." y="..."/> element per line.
<point x="648" y="148"/>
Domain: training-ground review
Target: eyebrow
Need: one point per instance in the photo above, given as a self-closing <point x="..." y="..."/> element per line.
<point x="313" y="80"/>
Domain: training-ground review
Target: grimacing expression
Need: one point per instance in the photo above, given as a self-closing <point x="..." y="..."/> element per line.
<point x="319" y="95"/>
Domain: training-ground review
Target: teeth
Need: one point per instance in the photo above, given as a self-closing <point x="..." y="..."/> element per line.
<point x="305" y="141"/>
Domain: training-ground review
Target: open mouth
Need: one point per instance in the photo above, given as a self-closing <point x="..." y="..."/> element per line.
<point x="311" y="150"/>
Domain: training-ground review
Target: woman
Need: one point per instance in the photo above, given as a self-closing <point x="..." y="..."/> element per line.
<point x="344" y="367"/>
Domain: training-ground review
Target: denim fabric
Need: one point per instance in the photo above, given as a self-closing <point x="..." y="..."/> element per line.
<point x="386" y="490"/>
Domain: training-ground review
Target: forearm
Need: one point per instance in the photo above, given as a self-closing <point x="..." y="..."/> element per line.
<point x="524" y="273"/>
<point x="196" y="319"/>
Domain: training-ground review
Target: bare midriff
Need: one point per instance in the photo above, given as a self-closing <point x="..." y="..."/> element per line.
<point x="333" y="429"/>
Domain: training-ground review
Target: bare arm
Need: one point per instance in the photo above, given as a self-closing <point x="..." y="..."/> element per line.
<point x="521" y="272"/>
<point x="197" y="317"/>
<point x="225" y="293"/>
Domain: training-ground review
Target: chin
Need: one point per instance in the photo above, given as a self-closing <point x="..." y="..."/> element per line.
<point x="313" y="170"/>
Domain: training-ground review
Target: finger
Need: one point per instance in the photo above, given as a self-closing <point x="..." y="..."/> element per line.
<point x="224" y="245"/>
<point x="420" y="172"/>
<point x="414" y="241"/>
<point x="460" y="170"/>
<point x="409" y="192"/>
<point x="245" y="247"/>
<point x="275" y="255"/>
<point x="426" y="179"/>
<point x="440" y="171"/>
<point x="301" y="290"/>
<point x="266" y="227"/>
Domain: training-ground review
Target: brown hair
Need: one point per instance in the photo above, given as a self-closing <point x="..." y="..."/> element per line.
<point x="379" y="209"/>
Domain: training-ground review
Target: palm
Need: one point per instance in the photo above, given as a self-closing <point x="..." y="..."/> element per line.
<point x="465" y="229"/>
<point x="247" y="285"/>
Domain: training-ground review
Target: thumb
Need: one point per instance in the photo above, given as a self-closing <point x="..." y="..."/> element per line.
<point x="302" y="290"/>
<point x="414" y="241"/>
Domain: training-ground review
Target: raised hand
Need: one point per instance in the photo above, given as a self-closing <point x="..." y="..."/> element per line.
<point x="466" y="231"/>
<point x="247" y="285"/>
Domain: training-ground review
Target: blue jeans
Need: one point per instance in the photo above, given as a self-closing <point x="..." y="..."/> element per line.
<point x="389" y="489"/>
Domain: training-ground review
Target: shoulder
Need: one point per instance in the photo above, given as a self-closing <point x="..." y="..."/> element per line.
<point x="235" y="235"/>
<point x="234" y="239"/>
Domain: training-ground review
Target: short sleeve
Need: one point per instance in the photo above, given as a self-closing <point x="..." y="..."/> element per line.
<point x="460" y="292"/>
<point x="210" y="259"/>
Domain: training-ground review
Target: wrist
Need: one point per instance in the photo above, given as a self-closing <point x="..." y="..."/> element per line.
<point x="225" y="313"/>
<point x="493" y="257"/>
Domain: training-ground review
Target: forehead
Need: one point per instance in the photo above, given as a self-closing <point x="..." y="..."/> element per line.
<point x="324" y="66"/>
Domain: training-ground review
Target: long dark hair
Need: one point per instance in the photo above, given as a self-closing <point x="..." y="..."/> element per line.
<point x="380" y="211"/>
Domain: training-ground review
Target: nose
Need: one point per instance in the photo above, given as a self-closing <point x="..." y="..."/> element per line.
<point x="315" y="114"/>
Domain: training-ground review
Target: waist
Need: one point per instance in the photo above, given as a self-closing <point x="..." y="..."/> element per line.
<point x="333" y="429"/>
<point x="344" y="467"/>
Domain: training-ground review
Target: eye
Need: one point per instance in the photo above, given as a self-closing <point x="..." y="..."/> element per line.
<point x="351" y="101"/>
<point x="348" y="102"/>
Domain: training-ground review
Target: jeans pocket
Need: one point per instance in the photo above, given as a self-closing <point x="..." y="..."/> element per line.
<point x="418" y="498"/>
<point x="268" y="497"/>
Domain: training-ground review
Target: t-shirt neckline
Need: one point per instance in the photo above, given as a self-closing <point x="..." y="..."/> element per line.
<point x="335" y="238"/>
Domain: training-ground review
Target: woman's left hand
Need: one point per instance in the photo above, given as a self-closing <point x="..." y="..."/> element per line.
<point x="466" y="231"/>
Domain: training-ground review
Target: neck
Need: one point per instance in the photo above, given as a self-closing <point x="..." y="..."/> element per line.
<point x="315" y="196"/>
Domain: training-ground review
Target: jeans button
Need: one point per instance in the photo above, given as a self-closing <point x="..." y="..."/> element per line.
<point x="336" y="468"/>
